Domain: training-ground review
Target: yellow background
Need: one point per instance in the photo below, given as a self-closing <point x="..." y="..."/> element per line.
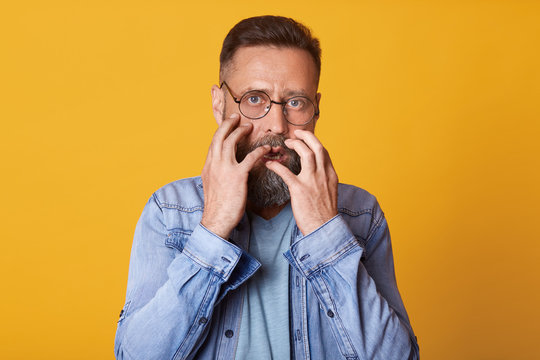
<point x="431" y="106"/>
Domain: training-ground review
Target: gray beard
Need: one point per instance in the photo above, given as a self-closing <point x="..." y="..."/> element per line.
<point x="265" y="187"/>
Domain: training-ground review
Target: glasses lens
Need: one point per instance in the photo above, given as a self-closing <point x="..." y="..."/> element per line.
<point x="299" y="110"/>
<point x="254" y="104"/>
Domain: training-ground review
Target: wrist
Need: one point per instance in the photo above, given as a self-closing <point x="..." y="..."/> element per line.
<point x="219" y="230"/>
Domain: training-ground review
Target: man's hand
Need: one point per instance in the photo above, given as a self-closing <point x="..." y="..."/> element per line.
<point x="314" y="190"/>
<point x="224" y="179"/>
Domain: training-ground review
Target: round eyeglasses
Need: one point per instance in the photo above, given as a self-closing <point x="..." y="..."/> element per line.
<point x="255" y="104"/>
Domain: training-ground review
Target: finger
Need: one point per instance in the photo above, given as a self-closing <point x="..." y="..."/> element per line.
<point x="229" y="144"/>
<point x="251" y="158"/>
<point x="307" y="158"/>
<point x="321" y="155"/>
<point x="287" y="175"/>
<point x="329" y="166"/>
<point x="227" y="125"/>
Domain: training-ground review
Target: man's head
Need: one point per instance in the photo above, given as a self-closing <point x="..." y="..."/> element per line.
<point x="279" y="57"/>
<point x="272" y="31"/>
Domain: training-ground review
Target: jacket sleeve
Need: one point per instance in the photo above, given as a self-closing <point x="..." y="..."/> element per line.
<point x="356" y="287"/>
<point x="172" y="290"/>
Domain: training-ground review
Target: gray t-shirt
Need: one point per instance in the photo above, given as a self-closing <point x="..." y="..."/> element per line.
<point x="264" y="331"/>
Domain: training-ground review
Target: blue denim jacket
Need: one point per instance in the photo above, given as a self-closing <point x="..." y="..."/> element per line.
<point x="185" y="295"/>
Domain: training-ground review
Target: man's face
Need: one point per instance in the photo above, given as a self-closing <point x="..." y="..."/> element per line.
<point x="281" y="73"/>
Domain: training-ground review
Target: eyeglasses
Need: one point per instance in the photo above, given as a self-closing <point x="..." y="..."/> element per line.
<point x="255" y="104"/>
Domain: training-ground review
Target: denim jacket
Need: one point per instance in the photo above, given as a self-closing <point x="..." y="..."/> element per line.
<point x="185" y="287"/>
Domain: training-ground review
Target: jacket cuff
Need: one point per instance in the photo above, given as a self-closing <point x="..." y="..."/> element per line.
<point x="325" y="245"/>
<point x="212" y="252"/>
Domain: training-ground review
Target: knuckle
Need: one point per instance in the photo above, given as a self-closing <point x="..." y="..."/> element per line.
<point x="227" y="142"/>
<point x="293" y="186"/>
<point x="319" y="149"/>
<point x="254" y="153"/>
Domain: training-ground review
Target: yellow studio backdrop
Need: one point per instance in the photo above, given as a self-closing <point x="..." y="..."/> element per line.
<point x="431" y="106"/>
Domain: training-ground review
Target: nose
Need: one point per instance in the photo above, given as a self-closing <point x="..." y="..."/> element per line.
<point x="275" y="121"/>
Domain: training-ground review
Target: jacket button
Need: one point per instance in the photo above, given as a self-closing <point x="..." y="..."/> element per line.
<point x="203" y="320"/>
<point x="330" y="313"/>
<point x="229" y="333"/>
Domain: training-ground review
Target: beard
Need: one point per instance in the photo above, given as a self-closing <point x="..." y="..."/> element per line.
<point x="265" y="187"/>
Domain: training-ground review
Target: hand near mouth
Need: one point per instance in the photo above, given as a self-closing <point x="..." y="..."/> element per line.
<point x="225" y="179"/>
<point x="314" y="190"/>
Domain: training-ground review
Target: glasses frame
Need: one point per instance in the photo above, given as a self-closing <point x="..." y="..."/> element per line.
<point x="282" y="103"/>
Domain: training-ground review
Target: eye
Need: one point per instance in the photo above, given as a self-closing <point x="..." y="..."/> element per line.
<point x="296" y="103"/>
<point x="254" y="99"/>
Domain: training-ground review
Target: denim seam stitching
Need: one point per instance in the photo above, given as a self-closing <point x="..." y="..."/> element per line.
<point x="166" y="205"/>
<point x="203" y="264"/>
<point x="336" y="314"/>
<point x="172" y="239"/>
<point x="182" y="208"/>
<point x="158" y="203"/>
<point x="193" y="328"/>
<point x="305" y="331"/>
<point x="332" y="258"/>
<point x="354" y="213"/>
<point x="238" y="323"/>
<point x="374" y="227"/>
<point x="222" y="325"/>
<point x="177" y="231"/>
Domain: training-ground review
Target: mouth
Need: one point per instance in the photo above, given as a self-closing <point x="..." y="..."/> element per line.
<point x="276" y="154"/>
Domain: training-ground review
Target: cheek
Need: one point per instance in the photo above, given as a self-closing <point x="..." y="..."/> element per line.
<point x="309" y="127"/>
<point x="244" y="120"/>
<point x="256" y="131"/>
<point x="258" y="127"/>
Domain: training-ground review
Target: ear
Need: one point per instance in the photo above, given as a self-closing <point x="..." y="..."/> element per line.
<point x="318" y="101"/>
<point x="218" y="104"/>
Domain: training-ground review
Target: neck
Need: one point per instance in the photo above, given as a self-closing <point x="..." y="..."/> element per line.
<point x="267" y="212"/>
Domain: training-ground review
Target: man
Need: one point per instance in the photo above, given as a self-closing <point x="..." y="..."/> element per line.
<point x="208" y="279"/>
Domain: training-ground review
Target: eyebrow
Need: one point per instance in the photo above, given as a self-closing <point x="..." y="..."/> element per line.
<point x="287" y="94"/>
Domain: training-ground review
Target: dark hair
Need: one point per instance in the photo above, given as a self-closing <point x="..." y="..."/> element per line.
<point x="272" y="31"/>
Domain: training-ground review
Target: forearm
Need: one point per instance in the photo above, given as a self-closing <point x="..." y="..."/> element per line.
<point x="370" y="323"/>
<point x="172" y="321"/>
<point x="173" y="287"/>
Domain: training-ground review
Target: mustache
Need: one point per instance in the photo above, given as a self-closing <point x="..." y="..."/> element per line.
<point x="272" y="140"/>
<point x="294" y="163"/>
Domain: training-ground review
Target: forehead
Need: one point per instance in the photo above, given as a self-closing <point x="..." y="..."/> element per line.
<point x="274" y="68"/>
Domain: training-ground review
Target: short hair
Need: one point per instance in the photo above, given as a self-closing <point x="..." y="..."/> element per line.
<point x="269" y="30"/>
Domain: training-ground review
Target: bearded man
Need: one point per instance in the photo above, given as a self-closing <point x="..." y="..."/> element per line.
<point x="265" y="256"/>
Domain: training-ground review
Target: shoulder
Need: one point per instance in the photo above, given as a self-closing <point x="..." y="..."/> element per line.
<point x="177" y="208"/>
<point x="184" y="195"/>
<point x="354" y="198"/>
<point x="360" y="210"/>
